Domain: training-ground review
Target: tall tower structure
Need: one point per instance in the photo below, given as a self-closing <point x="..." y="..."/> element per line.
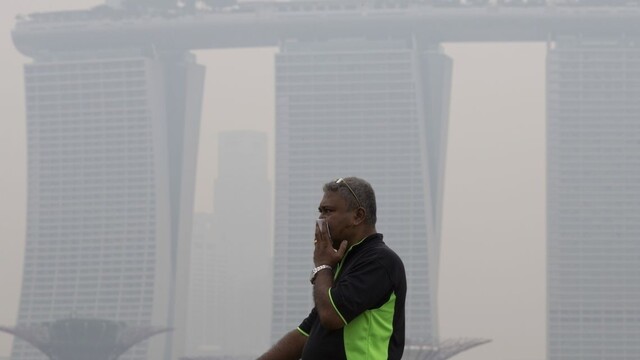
<point x="376" y="109"/>
<point x="593" y="185"/>
<point x="204" y="289"/>
<point x="112" y="139"/>
<point x="243" y="239"/>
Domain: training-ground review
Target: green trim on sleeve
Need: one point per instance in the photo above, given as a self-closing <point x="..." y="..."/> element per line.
<point x="335" y="308"/>
<point x="302" y="332"/>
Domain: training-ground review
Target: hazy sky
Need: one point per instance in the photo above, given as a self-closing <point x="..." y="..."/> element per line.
<point x="492" y="273"/>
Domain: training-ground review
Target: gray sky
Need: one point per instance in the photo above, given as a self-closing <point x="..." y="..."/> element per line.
<point x="492" y="273"/>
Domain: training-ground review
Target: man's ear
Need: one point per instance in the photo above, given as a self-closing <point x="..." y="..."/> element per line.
<point x="360" y="215"/>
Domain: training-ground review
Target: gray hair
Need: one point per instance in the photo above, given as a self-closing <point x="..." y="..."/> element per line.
<point x="363" y="193"/>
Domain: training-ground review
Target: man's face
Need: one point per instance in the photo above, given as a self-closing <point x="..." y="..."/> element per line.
<point x="333" y="208"/>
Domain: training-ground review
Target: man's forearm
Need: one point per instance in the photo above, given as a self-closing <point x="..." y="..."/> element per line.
<point x="288" y="348"/>
<point x="329" y="318"/>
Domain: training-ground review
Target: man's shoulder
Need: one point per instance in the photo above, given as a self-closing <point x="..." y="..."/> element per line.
<point x="380" y="253"/>
<point x="380" y="248"/>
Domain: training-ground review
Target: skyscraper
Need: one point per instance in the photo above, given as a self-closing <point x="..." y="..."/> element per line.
<point x="593" y="157"/>
<point x="376" y="109"/>
<point x="204" y="289"/>
<point x="112" y="138"/>
<point x="242" y="219"/>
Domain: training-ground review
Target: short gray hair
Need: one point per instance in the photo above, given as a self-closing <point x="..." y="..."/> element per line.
<point x="363" y="192"/>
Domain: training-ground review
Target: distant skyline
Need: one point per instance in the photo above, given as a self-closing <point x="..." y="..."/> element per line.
<point x="492" y="262"/>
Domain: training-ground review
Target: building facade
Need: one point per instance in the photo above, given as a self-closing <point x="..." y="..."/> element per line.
<point x="242" y="211"/>
<point x="230" y="280"/>
<point x="112" y="138"/>
<point x="593" y="207"/>
<point x="375" y="109"/>
<point x="203" y="288"/>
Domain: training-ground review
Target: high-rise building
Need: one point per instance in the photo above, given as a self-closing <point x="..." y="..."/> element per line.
<point x="203" y="288"/>
<point x="112" y="138"/>
<point x="593" y="170"/>
<point x="242" y="232"/>
<point x="376" y="109"/>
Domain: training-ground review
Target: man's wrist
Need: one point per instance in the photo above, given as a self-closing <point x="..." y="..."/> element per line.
<point x="316" y="270"/>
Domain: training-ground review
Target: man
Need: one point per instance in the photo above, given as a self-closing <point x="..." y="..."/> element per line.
<point x="359" y="285"/>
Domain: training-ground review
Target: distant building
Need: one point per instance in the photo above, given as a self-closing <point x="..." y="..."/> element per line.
<point x="377" y="109"/>
<point x="242" y="234"/>
<point x="112" y="138"/>
<point x="204" y="289"/>
<point x="593" y="185"/>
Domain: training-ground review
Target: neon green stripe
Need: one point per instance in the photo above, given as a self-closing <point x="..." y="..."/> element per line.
<point x="367" y="336"/>
<point x="336" y="309"/>
<point x="303" y="332"/>
<point x="335" y="276"/>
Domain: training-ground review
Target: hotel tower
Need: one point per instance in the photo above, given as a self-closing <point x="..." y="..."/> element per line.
<point x="593" y="208"/>
<point x="112" y="139"/>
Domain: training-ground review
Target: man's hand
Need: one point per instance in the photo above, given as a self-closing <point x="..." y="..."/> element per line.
<point x="324" y="253"/>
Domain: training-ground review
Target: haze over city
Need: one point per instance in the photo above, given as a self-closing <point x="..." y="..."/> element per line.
<point x="492" y="257"/>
